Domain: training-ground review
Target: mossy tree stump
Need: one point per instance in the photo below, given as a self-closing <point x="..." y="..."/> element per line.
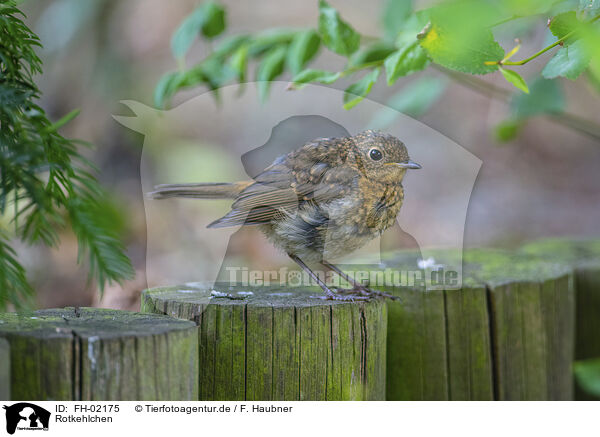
<point x="4" y="369"/>
<point x="100" y="354"/>
<point x="281" y="344"/>
<point x="584" y="257"/>
<point x="507" y="334"/>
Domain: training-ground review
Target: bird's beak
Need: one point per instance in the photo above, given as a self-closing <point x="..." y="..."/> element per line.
<point x="407" y="164"/>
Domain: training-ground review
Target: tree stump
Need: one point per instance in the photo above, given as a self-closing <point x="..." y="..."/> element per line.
<point x="100" y="354"/>
<point x="506" y="334"/>
<point x="4" y="369"/>
<point x="281" y="344"/>
<point x="584" y="258"/>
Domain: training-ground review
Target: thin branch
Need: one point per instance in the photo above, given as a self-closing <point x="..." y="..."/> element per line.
<point x="567" y="119"/>
<point x="535" y="55"/>
<point x="545" y="49"/>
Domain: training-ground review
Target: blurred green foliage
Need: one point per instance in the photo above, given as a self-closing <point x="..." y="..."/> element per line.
<point x="452" y="35"/>
<point x="207" y="20"/>
<point x="45" y="183"/>
<point x="587" y="374"/>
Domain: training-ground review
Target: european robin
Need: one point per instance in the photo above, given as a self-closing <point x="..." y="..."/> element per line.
<point x="320" y="201"/>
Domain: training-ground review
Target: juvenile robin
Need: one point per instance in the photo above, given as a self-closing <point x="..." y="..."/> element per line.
<point x="323" y="200"/>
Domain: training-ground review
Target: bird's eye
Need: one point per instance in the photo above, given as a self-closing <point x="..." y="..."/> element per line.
<point x="375" y="154"/>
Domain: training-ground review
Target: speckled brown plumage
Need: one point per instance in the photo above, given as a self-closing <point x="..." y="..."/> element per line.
<point x="323" y="200"/>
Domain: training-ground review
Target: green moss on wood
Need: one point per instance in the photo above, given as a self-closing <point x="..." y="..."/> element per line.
<point x="470" y="369"/>
<point x="100" y="354"/>
<point x="4" y="370"/>
<point x="584" y="257"/>
<point x="578" y="253"/>
<point x="494" y="338"/>
<point x="416" y="360"/>
<point x="507" y="333"/>
<point x="281" y="344"/>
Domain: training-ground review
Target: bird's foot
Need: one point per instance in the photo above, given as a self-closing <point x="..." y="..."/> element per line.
<point x="363" y="291"/>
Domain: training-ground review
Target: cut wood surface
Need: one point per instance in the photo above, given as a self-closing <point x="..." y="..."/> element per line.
<point x="278" y="343"/>
<point x="99" y="354"/>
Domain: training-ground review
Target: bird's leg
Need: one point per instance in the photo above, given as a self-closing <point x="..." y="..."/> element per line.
<point x="357" y="287"/>
<point x="329" y="295"/>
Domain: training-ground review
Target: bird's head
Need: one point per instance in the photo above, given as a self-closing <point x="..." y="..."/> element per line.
<point x="381" y="156"/>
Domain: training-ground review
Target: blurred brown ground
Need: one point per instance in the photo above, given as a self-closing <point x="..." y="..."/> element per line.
<point x="99" y="52"/>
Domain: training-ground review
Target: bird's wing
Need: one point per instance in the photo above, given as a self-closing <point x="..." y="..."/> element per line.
<point x="301" y="176"/>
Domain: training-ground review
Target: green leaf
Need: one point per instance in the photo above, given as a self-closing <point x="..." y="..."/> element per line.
<point x="213" y="71"/>
<point x="208" y="19"/>
<point x="373" y="53"/>
<point x="230" y="45"/>
<point x="166" y="87"/>
<point x="455" y="45"/>
<point x="569" y="61"/>
<point x="269" y="39"/>
<point x="303" y="48"/>
<point x="587" y="374"/>
<point x="60" y="123"/>
<point x="270" y="67"/>
<point x="239" y="62"/>
<point x="545" y="97"/>
<point x="409" y="59"/>
<point x="522" y="8"/>
<point x="412" y="27"/>
<point x="508" y="130"/>
<point x="590" y="40"/>
<point x="184" y="36"/>
<point x="563" y="24"/>
<point x="357" y="91"/>
<point x="337" y="35"/>
<point x="515" y="78"/>
<point x="310" y="75"/>
<point x="589" y="8"/>
<point x="395" y="13"/>
<point x="214" y="23"/>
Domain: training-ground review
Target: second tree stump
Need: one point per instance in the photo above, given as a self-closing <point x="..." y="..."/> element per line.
<point x="94" y="354"/>
<point x="281" y="344"/>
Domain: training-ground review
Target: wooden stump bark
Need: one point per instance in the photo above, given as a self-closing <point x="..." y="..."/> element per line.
<point x="99" y="354"/>
<point x="4" y="369"/>
<point x="507" y="334"/>
<point x="281" y="344"/>
<point x="584" y="257"/>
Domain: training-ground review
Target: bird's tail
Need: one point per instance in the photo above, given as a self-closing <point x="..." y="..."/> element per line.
<point x="199" y="190"/>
